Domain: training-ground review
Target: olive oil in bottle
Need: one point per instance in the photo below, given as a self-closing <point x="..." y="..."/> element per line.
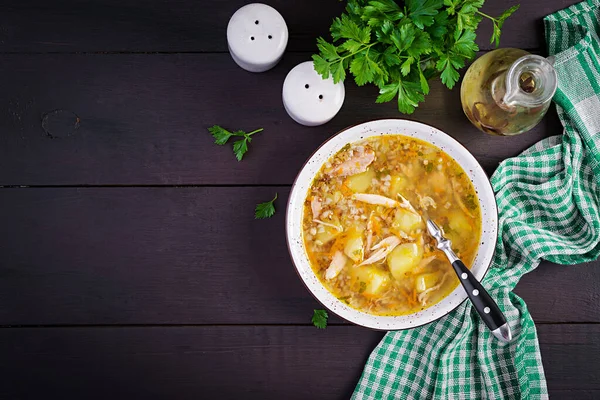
<point x="508" y="91"/>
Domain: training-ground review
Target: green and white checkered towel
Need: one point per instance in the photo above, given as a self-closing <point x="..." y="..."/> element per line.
<point x="548" y="204"/>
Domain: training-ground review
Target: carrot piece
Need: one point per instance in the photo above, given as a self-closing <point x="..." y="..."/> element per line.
<point x="346" y="191"/>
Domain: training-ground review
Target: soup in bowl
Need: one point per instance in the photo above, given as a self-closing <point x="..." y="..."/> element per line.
<point x="356" y="228"/>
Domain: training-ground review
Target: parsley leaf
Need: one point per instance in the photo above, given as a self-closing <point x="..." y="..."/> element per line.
<point x="422" y="11"/>
<point x="451" y="6"/>
<point x="321" y="66"/>
<point x="390" y="58"/>
<point x="423" y="81"/>
<point x="465" y="45"/>
<point x="338" y="72"/>
<point x="470" y="201"/>
<point x="449" y="76"/>
<point x="265" y="210"/>
<point x="507" y="14"/>
<point x="439" y="28"/>
<point x="221" y="135"/>
<point x="448" y="65"/>
<point x="240" y="147"/>
<point x="421" y="44"/>
<point x="467" y="16"/>
<point x="406" y="66"/>
<point x="345" y="28"/>
<point x="499" y="22"/>
<point x="364" y="68"/>
<point x="377" y="12"/>
<point x="328" y="51"/>
<point x="408" y="92"/>
<point x="319" y="318"/>
<point x="351" y="45"/>
<point x="403" y="37"/>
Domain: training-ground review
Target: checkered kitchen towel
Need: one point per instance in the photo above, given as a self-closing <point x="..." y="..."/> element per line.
<point x="549" y="203"/>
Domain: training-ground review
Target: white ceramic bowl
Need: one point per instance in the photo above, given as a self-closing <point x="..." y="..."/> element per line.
<point x="413" y="129"/>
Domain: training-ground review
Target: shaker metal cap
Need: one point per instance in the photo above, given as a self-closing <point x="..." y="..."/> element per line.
<point x="257" y="36"/>
<point x="308" y="98"/>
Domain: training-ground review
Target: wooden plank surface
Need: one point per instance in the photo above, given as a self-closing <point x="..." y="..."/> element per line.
<point x="271" y="362"/>
<point x="186" y="256"/>
<point x="117" y="95"/>
<point x="200" y="26"/>
<point x="143" y="120"/>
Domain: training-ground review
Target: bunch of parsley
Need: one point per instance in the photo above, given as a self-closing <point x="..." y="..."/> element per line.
<point x="400" y="48"/>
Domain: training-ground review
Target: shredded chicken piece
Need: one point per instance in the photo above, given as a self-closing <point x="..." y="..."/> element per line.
<point x="375" y="199"/>
<point x="405" y="236"/>
<point x="408" y="171"/>
<point x="337" y="264"/>
<point x="406" y="204"/>
<point x="336" y="227"/>
<point x="426" y="261"/>
<point x="423" y="295"/>
<point x="383" y="249"/>
<point x="388" y="241"/>
<point x="426" y="201"/>
<point x="355" y="165"/>
<point x="459" y="200"/>
<point x="315" y="206"/>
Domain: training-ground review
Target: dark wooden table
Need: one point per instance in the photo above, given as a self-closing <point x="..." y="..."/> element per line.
<point x="130" y="260"/>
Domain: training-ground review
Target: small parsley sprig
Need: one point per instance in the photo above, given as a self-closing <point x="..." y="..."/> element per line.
<point x="265" y="210"/>
<point x="240" y="147"/>
<point x="399" y="49"/>
<point x="498" y="22"/>
<point x="319" y="318"/>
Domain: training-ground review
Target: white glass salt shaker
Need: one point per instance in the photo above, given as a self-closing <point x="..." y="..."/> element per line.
<point x="308" y="98"/>
<point x="257" y="36"/>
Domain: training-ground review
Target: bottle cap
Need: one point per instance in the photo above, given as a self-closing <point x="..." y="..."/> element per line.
<point x="308" y="98"/>
<point x="257" y="36"/>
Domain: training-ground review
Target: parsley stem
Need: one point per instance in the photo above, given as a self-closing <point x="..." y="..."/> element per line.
<point x="487" y="16"/>
<point x="253" y="132"/>
<point x="358" y="51"/>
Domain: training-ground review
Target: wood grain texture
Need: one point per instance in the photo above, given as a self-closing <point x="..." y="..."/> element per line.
<point x="200" y="26"/>
<point x="143" y="120"/>
<point x="271" y="362"/>
<point x="186" y="256"/>
<point x="77" y="108"/>
<point x="575" y="394"/>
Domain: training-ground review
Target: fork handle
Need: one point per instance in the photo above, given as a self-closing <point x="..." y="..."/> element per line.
<point x="484" y="304"/>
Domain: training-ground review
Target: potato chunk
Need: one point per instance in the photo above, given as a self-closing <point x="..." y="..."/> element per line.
<point x="438" y="181"/>
<point x="407" y="221"/>
<point x="354" y="247"/>
<point x="370" y="280"/>
<point x="459" y="223"/>
<point x="326" y="234"/>
<point x="397" y="185"/>
<point x="426" y="281"/>
<point x="403" y="259"/>
<point x="359" y="183"/>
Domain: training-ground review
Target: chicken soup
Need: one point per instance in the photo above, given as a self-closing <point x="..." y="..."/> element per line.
<point x="364" y="232"/>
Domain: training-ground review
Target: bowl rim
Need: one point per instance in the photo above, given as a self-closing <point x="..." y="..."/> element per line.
<point x="323" y="144"/>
